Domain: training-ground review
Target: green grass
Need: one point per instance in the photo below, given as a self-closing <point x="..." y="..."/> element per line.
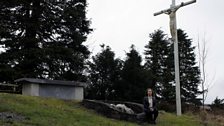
<point x="169" y="119"/>
<point x="53" y="112"/>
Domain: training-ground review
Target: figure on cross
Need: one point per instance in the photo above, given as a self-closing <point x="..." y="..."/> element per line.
<point x="172" y="15"/>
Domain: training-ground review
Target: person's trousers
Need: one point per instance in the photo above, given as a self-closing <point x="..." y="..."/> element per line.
<point x="151" y="115"/>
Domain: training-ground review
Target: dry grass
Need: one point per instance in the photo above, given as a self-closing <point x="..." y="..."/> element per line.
<point x="211" y="118"/>
<point x="218" y="119"/>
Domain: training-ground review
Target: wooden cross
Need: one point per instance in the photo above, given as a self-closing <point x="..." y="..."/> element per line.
<point x="173" y="30"/>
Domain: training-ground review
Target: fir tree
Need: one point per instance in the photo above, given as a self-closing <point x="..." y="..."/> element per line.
<point x="43" y="39"/>
<point x="158" y="64"/>
<point x="189" y="71"/>
<point x="104" y="73"/>
<point x="134" y="77"/>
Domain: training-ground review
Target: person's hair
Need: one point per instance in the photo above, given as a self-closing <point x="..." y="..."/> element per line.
<point x="151" y="90"/>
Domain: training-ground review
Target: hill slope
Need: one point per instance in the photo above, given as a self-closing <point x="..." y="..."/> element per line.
<point x="36" y="111"/>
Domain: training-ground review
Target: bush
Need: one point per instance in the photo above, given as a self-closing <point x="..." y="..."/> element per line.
<point x="218" y="103"/>
<point x="168" y="107"/>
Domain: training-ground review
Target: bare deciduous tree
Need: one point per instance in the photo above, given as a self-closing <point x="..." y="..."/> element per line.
<point x="206" y="83"/>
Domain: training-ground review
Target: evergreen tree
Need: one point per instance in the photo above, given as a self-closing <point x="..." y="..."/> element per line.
<point x="168" y="92"/>
<point x="104" y="73"/>
<point x="159" y="65"/>
<point x="218" y="103"/>
<point x="43" y="39"/>
<point x="134" y="77"/>
<point x="189" y="71"/>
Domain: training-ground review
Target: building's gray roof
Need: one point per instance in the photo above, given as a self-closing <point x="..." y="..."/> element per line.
<point x="51" y="82"/>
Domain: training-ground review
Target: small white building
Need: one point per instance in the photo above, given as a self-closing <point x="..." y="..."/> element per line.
<point x="68" y="90"/>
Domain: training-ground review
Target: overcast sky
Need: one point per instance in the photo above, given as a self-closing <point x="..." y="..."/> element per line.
<point x="120" y="23"/>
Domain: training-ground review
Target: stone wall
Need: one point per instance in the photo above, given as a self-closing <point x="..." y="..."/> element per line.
<point x="105" y="109"/>
<point x="136" y="107"/>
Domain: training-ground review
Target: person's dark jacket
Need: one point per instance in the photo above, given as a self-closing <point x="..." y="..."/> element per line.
<point x="146" y="103"/>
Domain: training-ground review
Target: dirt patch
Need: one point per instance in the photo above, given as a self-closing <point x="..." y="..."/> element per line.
<point x="9" y="116"/>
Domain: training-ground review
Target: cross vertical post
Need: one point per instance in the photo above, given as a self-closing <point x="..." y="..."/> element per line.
<point x="176" y="62"/>
<point x="173" y="30"/>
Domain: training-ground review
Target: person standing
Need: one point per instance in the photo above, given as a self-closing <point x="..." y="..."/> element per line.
<point x="150" y="109"/>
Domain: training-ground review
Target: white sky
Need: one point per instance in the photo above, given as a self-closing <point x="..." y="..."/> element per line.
<point x="120" y="23"/>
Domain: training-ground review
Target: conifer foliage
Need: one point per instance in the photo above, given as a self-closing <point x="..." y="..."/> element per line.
<point x="134" y="77"/>
<point x="104" y="73"/>
<point x="43" y="39"/>
<point x="159" y="56"/>
<point x="189" y="71"/>
<point x="159" y="64"/>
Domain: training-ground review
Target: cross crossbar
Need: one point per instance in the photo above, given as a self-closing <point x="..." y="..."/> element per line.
<point x="167" y="11"/>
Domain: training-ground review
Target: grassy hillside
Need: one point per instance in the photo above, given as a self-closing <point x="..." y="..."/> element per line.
<point x="51" y="112"/>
